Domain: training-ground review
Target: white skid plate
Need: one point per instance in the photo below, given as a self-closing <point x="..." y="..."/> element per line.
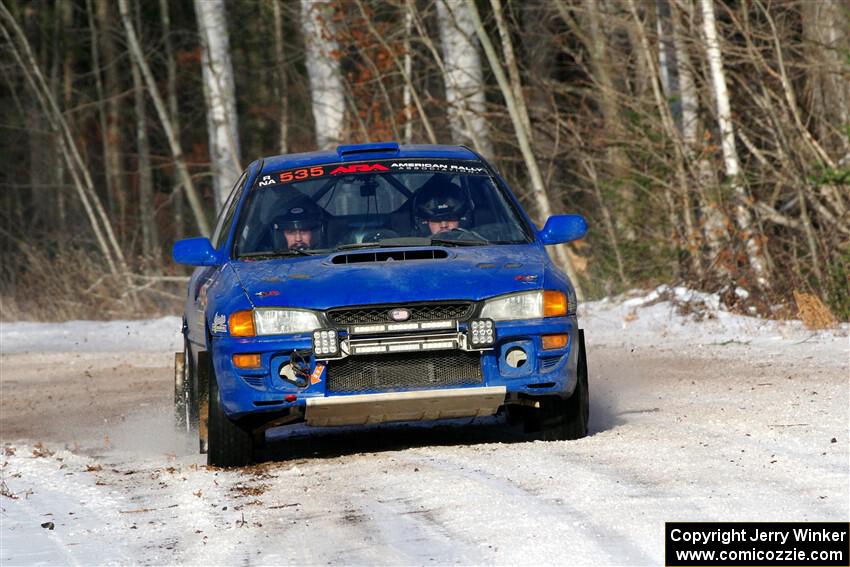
<point x="404" y="406"/>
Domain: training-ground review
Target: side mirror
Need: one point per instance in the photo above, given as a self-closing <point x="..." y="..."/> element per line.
<point x="195" y="252"/>
<point x="563" y="228"/>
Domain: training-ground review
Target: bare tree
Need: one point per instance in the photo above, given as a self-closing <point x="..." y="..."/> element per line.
<point x="714" y="227"/>
<point x="220" y="97"/>
<point x="743" y="214"/>
<point x="147" y="218"/>
<point x="282" y="83"/>
<point x="539" y="194"/>
<point x="80" y="175"/>
<point x="173" y="109"/>
<point x="463" y="77"/>
<point x="322" y="62"/>
<point x="165" y="120"/>
<point x="590" y="32"/>
<point x="113" y="142"/>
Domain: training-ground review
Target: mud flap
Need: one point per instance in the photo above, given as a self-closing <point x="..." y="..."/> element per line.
<point x="203" y="390"/>
<point x="180" y="402"/>
<point x="404" y="406"/>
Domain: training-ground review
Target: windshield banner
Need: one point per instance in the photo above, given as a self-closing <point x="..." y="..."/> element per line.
<point x="451" y="167"/>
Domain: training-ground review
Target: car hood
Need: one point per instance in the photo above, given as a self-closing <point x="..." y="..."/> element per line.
<point x="471" y="273"/>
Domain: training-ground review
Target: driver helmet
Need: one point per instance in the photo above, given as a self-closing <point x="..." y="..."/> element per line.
<point x="441" y="199"/>
<point x="299" y="214"/>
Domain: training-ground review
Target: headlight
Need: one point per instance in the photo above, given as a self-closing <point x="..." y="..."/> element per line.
<point x="518" y="306"/>
<point x="284" y="321"/>
<point x="528" y="305"/>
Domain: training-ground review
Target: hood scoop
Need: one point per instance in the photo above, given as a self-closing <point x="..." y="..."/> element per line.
<point x="389" y="256"/>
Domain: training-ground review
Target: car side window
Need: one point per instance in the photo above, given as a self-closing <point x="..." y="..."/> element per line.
<point x="225" y="219"/>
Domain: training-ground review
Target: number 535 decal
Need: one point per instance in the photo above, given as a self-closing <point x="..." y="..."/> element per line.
<point x="299" y="174"/>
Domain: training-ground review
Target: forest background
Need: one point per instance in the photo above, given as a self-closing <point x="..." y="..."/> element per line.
<point x="707" y="143"/>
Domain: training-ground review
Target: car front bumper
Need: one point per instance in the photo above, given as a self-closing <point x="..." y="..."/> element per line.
<point x="544" y="372"/>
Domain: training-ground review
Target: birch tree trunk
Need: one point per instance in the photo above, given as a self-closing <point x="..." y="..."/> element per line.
<point x="220" y="97"/>
<point x="406" y="96"/>
<point x="173" y="141"/>
<point x="326" y="88"/>
<point x="281" y="86"/>
<point x="714" y="226"/>
<point x="743" y="215"/>
<point x="541" y="198"/>
<point x="463" y="76"/>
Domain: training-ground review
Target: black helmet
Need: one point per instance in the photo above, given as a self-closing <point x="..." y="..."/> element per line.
<point x="440" y="199"/>
<point x="300" y="213"/>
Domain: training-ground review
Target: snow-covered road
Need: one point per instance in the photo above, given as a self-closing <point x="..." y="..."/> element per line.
<point x="727" y="419"/>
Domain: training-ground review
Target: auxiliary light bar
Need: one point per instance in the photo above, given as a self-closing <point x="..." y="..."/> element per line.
<point x="403" y="347"/>
<point x="398" y="327"/>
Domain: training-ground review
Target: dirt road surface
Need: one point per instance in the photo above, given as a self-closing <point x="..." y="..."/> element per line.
<point x="711" y="432"/>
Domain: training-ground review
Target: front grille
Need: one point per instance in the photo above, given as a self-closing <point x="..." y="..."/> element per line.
<point x="404" y="371"/>
<point x="381" y="314"/>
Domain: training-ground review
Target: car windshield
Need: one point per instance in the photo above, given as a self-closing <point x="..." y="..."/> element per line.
<point x="323" y="208"/>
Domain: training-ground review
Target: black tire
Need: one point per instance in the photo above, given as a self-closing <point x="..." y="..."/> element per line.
<point x="561" y="419"/>
<point x="230" y="444"/>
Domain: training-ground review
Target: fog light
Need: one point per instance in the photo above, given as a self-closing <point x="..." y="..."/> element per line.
<point x="481" y="333"/>
<point x="516" y="357"/>
<point x="555" y="341"/>
<point x="325" y="343"/>
<point x="247" y="360"/>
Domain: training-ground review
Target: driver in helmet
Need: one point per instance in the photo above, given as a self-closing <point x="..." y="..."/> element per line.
<point x="441" y="206"/>
<point x="299" y="227"/>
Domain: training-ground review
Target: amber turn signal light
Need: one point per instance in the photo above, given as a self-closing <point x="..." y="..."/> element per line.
<point x="554" y="304"/>
<point x="242" y="324"/>
<point x="246" y="360"/>
<point x="555" y="341"/>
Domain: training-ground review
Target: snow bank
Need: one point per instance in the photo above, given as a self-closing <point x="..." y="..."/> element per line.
<point x="681" y="318"/>
<point x="153" y="335"/>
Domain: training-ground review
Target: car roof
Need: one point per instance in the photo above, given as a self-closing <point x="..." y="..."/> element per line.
<point x="365" y="152"/>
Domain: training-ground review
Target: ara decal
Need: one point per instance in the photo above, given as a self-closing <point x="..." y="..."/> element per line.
<point x="359" y="168"/>
<point x="219" y="324"/>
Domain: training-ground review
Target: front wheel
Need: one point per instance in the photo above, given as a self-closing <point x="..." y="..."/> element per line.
<point x="560" y="419"/>
<point x="230" y="444"/>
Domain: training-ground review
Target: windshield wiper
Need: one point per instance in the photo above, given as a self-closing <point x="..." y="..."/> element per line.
<point x="454" y="242"/>
<point x="278" y="253"/>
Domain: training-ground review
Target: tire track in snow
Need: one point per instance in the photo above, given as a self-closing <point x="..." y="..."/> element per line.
<point x="565" y="527"/>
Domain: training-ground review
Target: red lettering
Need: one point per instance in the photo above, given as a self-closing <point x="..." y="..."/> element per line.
<point x="359" y="168"/>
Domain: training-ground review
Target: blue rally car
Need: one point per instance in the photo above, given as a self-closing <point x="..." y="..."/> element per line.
<point x="376" y="283"/>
